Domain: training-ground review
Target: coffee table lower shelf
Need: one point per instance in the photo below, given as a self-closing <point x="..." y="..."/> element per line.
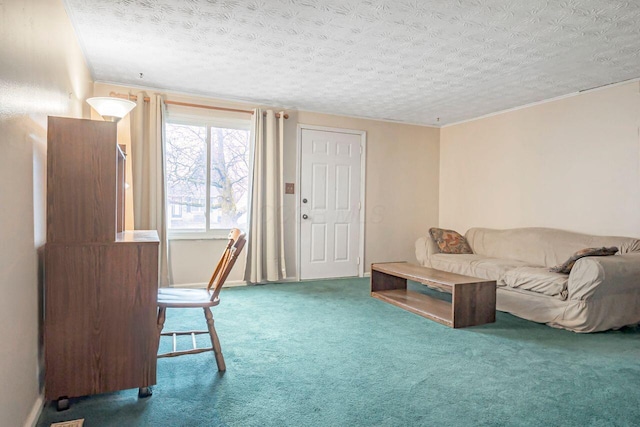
<point x="420" y="304"/>
<point x="473" y="300"/>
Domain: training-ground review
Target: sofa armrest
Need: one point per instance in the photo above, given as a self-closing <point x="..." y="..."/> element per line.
<point x="593" y="277"/>
<point x="425" y="247"/>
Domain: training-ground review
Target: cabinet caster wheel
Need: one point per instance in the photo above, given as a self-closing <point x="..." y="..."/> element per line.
<point x="62" y="404"/>
<point x="144" y="392"/>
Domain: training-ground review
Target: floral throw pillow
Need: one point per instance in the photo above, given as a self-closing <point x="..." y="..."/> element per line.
<point x="566" y="266"/>
<point x="449" y="241"/>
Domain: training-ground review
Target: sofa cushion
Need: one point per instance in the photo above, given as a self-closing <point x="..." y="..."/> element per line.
<point x="474" y="265"/>
<point x="536" y="279"/>
<point x="566" y="266"/>
<point x="449" y="241"/>
<point x="540" y="246"/>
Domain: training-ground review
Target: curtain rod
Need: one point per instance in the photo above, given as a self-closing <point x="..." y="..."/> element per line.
<point x="187" y="104"/>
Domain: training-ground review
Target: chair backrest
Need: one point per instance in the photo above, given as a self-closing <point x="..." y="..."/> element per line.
<point x="227" y="260"/>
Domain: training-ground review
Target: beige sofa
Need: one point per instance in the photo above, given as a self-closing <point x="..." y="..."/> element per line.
<point x="600" y="293"/>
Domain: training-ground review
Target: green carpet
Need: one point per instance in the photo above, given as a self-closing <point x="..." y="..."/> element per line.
<point x="327" y="354"/>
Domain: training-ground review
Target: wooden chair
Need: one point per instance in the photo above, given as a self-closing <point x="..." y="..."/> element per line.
<point x="205" y="299"/>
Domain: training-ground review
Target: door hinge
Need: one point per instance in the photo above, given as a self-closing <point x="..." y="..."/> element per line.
<point x="360" y="149"/>
<point x="359" y="205"/>
<point x="358" y="261"/>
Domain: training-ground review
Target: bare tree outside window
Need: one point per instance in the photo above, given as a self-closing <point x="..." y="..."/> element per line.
<point x="229" y="177"/>
<point x="188" y="147"/>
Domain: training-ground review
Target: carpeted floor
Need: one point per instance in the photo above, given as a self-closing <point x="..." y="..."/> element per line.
<point x="327" y="354"/>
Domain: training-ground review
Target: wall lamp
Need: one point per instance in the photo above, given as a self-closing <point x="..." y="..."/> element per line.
<point x="111" y="109"/>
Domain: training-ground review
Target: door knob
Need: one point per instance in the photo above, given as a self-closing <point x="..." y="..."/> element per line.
<point x="305" y="216"/>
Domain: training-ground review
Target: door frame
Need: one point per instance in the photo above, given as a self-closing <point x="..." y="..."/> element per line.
<point x="363" y="164"/>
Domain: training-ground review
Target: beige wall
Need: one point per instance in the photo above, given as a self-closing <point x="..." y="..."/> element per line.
<point x="42" y="72"/>
<point x="401" y="189"/>
<point x="571" y="164"/>
<point x="401" y="194"/>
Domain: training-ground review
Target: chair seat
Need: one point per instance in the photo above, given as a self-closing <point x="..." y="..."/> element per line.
<point x="171" y="297"/>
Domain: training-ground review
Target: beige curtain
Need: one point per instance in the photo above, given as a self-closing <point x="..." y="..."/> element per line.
<point x="265" y="240"/>
<point x="148" y="183"/>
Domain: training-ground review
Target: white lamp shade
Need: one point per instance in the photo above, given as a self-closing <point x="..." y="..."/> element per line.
<point x="111" y="109"/>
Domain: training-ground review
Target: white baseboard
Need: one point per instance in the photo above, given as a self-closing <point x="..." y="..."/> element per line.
<point x="367" y="274"/>
<point x="36" y="410"/>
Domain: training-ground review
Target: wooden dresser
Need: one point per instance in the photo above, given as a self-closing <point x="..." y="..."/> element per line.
<point x="101" y="282"/>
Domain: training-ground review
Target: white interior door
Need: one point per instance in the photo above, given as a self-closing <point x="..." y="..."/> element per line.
<point x="330" y="175"/>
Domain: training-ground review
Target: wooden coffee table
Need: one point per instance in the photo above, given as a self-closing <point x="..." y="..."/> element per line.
<point x="473" y="299"/>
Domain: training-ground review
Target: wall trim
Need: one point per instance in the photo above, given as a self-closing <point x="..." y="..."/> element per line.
<point x="36" y="410"/>
<point x="398" y="122"/>
<point x="249" y="103"/>
<point x="288" y="280"/>
<point x="544" y="101"/>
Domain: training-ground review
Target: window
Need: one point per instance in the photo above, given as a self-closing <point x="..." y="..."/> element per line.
<point x="207" y="174"/>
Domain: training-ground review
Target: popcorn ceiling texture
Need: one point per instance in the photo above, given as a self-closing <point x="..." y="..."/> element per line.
<point x="411" y="61"/>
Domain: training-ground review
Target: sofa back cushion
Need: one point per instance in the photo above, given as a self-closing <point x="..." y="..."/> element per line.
<point x="540" y="246"/>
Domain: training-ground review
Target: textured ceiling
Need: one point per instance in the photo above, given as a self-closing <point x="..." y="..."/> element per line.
<point x="411" y="61"/>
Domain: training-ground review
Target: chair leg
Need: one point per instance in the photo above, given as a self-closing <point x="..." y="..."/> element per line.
<point x="160" y="323"/>
<point x="215" y="342"/>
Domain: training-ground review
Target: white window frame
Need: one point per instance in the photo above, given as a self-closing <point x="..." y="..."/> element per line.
<point x="209" y="122"/>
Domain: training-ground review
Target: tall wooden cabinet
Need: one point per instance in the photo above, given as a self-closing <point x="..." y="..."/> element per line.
<point x="101" y="282"/>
